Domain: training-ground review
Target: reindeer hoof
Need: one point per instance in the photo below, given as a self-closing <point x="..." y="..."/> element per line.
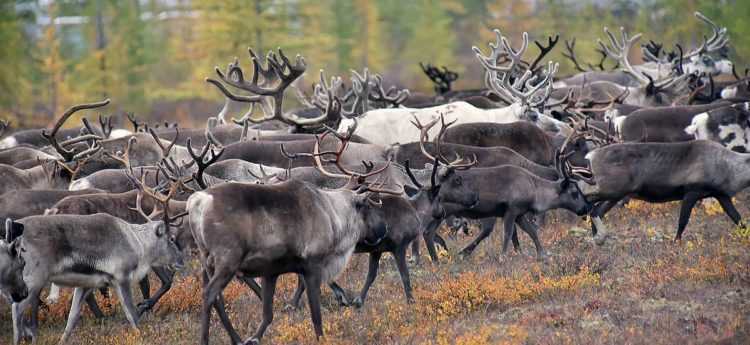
<point x="465" y="253"/>
<point x="600" y="239"/>
<point x="252" y="341"/>
<point x="358" y="302"/>
<point x="144" y="307"/>
<point x="291" y="307"/>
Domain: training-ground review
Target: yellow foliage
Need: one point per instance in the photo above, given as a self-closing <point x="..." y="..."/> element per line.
<point x="471" y="290"/>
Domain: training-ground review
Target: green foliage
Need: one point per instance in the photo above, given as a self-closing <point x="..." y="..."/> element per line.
<point x="138" y="52"/>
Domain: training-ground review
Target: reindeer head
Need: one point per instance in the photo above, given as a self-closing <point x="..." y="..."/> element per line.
<point x="650" y="92"/>
<point x="446" y="185"/>
<point x="11" y="266"/>
<point x="527" y="91"/>
<point x="570" y="196"/>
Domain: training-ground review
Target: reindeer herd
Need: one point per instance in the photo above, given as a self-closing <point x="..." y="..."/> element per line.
<point x="360" y="169"/>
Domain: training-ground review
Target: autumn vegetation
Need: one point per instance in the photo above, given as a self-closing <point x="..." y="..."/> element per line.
<point x="639" y="288"/>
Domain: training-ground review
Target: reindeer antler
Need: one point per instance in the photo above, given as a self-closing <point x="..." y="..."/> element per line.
<point x="68" y="155"/>
<point x="203" y="161"/>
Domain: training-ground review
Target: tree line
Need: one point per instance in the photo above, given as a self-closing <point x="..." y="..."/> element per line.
<point x="137" y="52"/>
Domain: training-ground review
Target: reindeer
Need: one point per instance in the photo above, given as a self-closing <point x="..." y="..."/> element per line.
<point x="660" y="124"/>
<point x="388" y="126"/>
<point x="132" y="207"/>
<point x="727" y="125"/>
<point x="524" y="195"/>
<point x="522" y="137"/>
<point x="23" y="203"/>
<point x="662" y="172"/>
<point x="341" y="218"/>
<point x="87" y="252"/>
<point x="403" y="216"/>
<point x="18" y="154"/>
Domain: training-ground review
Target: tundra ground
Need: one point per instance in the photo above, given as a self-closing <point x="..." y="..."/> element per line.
<point x="638" y="288"/>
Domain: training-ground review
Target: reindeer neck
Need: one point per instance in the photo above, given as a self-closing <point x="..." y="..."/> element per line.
<point x="422" y="203"/>
<point x="545" y="194"/>
<point x="41" y="177"/>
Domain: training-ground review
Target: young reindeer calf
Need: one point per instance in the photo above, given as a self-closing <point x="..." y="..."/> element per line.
<point x="87" y="252"/>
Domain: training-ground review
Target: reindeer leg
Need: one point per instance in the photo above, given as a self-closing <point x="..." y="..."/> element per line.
<point x="509" y="221"/>
<point x="440" y="241"/>
<point x="429" y="239"/>
<point x="145" y="287"/>
<point x="79" y="294"/>
<point x="250" y="282"/>
<point x="598" y="229"/>
<point x="514" y="239"/>
<point x="372" y="272"/>
<point x="212" y="289"/>
<point x="531" y="229"/>
<point x="269" y="289"/>
<point x="403" y="271"/>
<point x="339" y="294"/>
<point x="729" y="209"/>
<point x="688" y="202"/>
<point x="166" y="276"/>
<point x="487" y="228"/>
<point x="93" y="306"/>
<point x="297" y="297"/>
<point x="429" y="228"/>
<point x="415" y="250"/>
<point x="34" y="317"/>
<point x="126" y="301"/>
<point x="312" y="281"/>
<point x="20" y="327"/>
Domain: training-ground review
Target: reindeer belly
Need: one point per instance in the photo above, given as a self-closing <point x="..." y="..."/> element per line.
<point x="82" y="274"/>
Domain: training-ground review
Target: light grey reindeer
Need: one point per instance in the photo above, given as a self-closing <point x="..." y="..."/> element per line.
<point x="87" y="252"/>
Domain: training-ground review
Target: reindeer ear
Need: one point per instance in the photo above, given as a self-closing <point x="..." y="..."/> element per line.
<point x="8" y="229"/>
<point x="13" y="230"/>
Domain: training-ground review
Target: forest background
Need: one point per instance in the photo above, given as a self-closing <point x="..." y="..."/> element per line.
<point x="152" y="56"/>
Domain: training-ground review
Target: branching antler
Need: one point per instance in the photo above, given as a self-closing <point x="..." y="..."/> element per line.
<point x="68" y="155"/>
<point x="619" y="51"/>
<point x="392" y="97"/>
<point x="716" y="42"/>
<point x="459" y="162"/>
<point x="165" y="150"/>
<point x="543" y="51"/>
<point x="203" y="161"/>
<point x="442" y="79"/>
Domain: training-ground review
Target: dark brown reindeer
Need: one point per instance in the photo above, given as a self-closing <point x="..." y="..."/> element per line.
<point x="519" y="195"/>
<point x="522" y="137"/>
<point x="662" y="172"/>
<point x="257" y="238"/>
